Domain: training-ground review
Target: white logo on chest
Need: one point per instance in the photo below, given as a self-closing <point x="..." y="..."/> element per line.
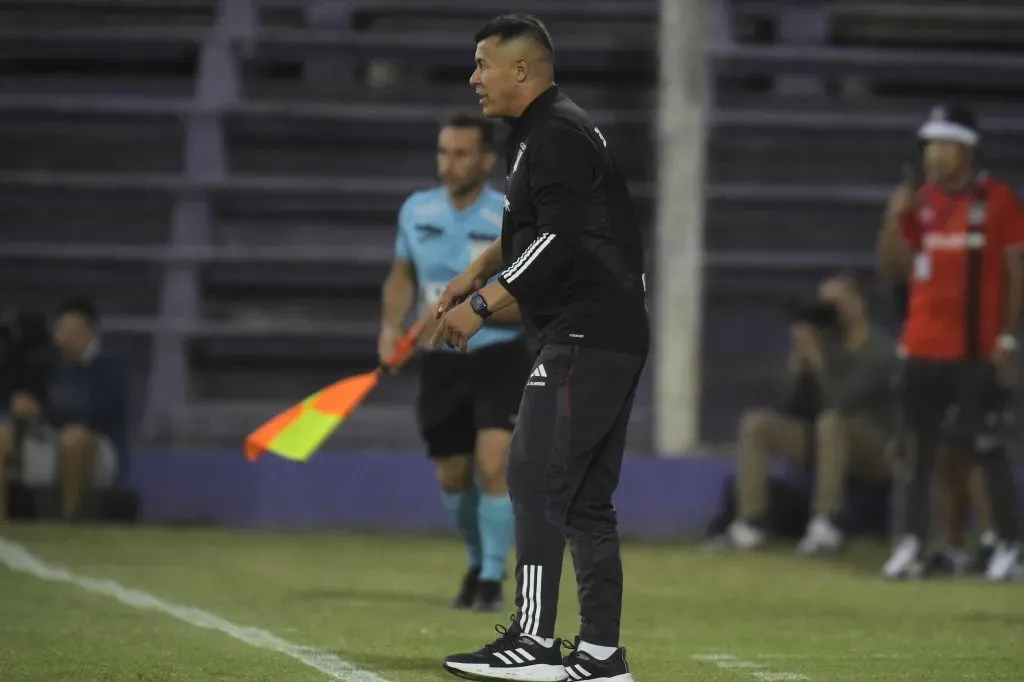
<point x="519" y="155"/>
<point x="937" y="241"/>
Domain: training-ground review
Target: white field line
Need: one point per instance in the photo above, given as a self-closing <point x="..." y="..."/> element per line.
<point x="759" y="671"/>
<point x="19" y="559"/>
<point x="797" y="657"/>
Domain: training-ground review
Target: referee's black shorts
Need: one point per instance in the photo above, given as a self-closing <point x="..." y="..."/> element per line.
<point x="462" y="393"/>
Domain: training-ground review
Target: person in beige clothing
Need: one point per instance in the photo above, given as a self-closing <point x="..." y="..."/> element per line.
<point x="854" y="365"/>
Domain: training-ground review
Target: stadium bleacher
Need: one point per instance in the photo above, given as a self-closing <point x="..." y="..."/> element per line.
<point x="224" y="180"/>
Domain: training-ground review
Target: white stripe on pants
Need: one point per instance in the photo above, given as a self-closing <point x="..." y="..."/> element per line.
<point x="530" y="617"/>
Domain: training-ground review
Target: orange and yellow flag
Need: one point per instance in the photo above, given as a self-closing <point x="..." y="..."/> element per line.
<point x="297" y="432"/>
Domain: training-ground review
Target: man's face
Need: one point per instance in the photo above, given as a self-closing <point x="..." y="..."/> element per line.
<point x="842" y="294"/>
<point x="943" y="159"/>
<point x="71" y="334"/>
<point x="462" y="160"/>
<point x="495" y="78"/>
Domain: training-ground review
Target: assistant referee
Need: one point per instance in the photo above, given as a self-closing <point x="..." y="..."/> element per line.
<point x="571" y="256"/>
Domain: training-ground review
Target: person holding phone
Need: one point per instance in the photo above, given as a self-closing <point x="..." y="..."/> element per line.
<point x="956" y="240"/>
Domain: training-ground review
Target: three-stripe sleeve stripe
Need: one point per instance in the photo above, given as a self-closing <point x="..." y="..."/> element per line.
<point x="528" y="257"/>
<point x="523" y="256"/>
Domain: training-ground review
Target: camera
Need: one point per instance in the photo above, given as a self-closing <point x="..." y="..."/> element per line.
<point x="818" y="314"/>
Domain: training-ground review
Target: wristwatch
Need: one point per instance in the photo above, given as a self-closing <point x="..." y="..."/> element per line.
<point x="479" y="306"/>
<point x="1007" y="342"/>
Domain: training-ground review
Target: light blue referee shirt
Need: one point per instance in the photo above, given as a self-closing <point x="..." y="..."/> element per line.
<point x="440" y="241"/>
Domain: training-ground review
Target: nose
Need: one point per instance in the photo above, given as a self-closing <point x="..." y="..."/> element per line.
<point x="474" y="78"/>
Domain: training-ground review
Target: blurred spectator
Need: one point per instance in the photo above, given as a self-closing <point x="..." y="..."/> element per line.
<point x="75" y="434"/>
<point x="956" y="240"/>
<point x="838" y="353"/>
<point x="961" y="490"/>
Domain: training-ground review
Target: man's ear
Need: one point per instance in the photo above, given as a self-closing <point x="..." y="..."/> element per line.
<point x="522" y="70"/>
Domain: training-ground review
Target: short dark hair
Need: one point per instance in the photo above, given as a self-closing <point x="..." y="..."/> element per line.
<point x="513" y="26"/>
<point x="481" y="124"/>
<point x="80" y="306"/>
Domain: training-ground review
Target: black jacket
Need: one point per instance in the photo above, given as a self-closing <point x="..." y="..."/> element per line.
<point x="573" y="256"/>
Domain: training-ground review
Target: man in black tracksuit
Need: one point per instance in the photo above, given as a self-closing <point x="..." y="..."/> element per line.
<point x="570" y="254"/>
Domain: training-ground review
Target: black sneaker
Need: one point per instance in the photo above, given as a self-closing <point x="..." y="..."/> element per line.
<point x="982" y="559"/>
<point x="579" y="665"/>
<point x="467" y="593"/>
<point x="513" y="656"/>
<point x="488" y="597"/>
<point x="946" y="562"/>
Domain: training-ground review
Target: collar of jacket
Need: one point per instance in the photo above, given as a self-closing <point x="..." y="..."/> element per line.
<point x="532" y="111"/>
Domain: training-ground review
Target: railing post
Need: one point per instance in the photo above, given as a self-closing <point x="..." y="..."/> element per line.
<point x="804" y="24"/>
<point x="678" y="288"/>
<point x="205" y="163"/>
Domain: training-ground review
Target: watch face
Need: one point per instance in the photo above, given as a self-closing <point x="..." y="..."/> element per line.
<point x="478" y="303"/>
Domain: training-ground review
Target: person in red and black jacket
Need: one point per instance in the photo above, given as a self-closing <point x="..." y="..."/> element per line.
<point x="957" y="241"/>
<point x="962" y="492"/>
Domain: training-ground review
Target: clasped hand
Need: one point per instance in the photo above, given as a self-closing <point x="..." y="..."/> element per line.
<point x="457" y="321"/>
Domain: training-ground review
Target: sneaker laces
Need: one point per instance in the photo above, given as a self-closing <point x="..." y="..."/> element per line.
<point x="508" y="636"/>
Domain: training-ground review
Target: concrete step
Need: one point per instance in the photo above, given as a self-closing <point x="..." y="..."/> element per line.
<point x="123" y="288"/>
<point x="113" y="217"/>
<point x="47" y="143"/>
<point x="64" y="14"/>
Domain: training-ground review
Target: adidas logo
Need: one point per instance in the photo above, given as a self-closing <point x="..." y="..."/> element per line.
<point x="518" y="657"/>
<point x="537" y="376"/>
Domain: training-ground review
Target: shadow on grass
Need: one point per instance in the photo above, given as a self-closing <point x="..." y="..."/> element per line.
<point x="1015" y="620"/>
<point x="395" y="661"/>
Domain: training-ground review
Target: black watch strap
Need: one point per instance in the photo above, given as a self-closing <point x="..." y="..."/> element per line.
<point x="479" y="306"/>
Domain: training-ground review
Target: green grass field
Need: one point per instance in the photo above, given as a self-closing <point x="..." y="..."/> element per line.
<point x="379" y="602"/>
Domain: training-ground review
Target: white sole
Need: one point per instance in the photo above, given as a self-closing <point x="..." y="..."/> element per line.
<point x="533" y="673"/>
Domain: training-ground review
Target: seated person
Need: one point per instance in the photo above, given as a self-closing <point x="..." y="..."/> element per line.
<point x="854" y="365"/>
<point x="76" y="436"/>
